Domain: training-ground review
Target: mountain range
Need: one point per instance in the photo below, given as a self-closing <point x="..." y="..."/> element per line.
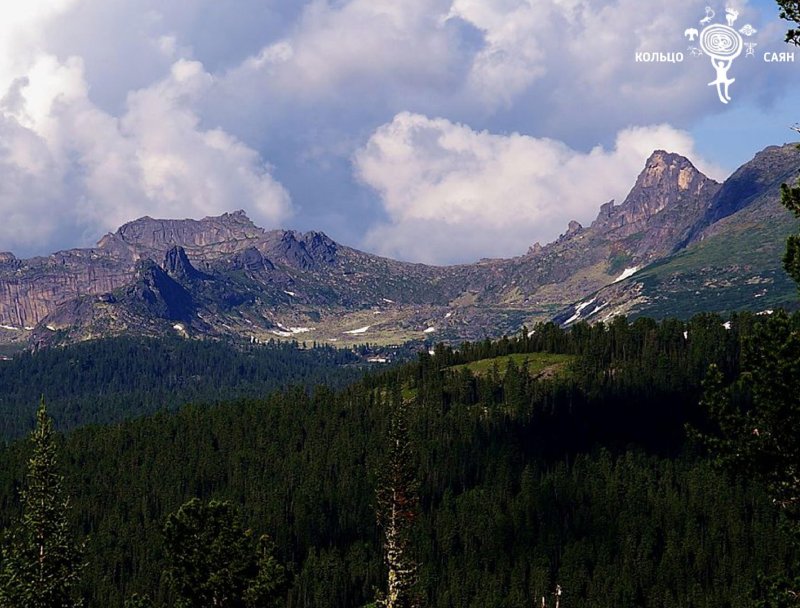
<point x="679" y="243"/>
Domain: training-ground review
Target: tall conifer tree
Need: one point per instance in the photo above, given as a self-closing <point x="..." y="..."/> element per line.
<point x="41" y="564"/>
<point x="397" y="509"/>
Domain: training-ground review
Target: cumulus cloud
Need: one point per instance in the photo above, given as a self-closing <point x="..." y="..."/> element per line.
<point x="21" y="35"/>
<point x="564" y="67"/>
<point x="567" y="69"/>
<point x="454" y="194"/>
<point x="69" y="171"/>
<point x="358" y="43"/>
<point x="514" y="54"/>
<point x="113" y="109"/>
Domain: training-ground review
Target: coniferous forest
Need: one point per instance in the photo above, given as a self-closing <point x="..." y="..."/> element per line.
<point x="585" y="474"/>
<point x="108" y="380"/>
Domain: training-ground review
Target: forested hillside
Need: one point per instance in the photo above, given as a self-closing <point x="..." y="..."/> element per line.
<point x="574" y="473"/>
<point x="109" y="380"/>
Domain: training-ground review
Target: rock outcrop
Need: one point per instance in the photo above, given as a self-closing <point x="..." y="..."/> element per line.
<point x="669" y="197"/>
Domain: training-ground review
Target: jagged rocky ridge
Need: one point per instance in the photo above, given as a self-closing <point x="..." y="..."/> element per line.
<point x="729" y="260"/>
<point x="225" y="276"/>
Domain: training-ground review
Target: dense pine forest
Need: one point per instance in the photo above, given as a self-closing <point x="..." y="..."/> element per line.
<point x="553" y="458"/>
<point x="109" y="380"/>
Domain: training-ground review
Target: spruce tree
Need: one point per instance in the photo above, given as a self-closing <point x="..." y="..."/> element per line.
<point x="213" y="561"/>
<point x="138" y="601"/>
<point x="397" y="509"/>
<point x="41" y="565"/>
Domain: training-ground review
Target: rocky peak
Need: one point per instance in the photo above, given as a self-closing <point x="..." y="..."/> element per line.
<point x="606" y="211"/>
<point x="250" y="259"/>
<point x="656" y="167"/>
<point x="664" y="175"/>
<point x="321" y="247"/>
<point x="303" y="251"/>
<point x="574" y="227"/>
<point x="293" y="251"/>
<point x="156" y="293"/>
<point x="666" y="179"/>
<point x="177" y="265"/>
<point x="160" y="234"/>
<point x="535" y="249"/>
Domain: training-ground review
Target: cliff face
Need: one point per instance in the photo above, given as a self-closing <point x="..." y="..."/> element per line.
<point x="210" y="237"/>
<point x="31" y="289"/>
<point x="669" y="197"/>
<point x="666" y="181"/>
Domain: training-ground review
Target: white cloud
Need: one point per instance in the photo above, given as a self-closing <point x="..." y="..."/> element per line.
<point x="567" y="67"/>
<point x="361" y="43"/>
<point x="21" y="35"/>
<point x="455" y="194"/>
<point x="564" y="69"/>
<point x="514" y="55"/>
<point x="113" y="109"/>
<point x="69" y="171"/>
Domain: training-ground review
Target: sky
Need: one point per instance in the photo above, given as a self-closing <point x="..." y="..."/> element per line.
<point x="437" y="131"/>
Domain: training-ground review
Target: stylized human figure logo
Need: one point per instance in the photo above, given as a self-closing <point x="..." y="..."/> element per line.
<point x="722" y="44"/>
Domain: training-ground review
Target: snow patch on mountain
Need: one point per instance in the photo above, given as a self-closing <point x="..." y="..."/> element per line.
<point x="628" y="272"/>
<point x="578" y="310"/>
